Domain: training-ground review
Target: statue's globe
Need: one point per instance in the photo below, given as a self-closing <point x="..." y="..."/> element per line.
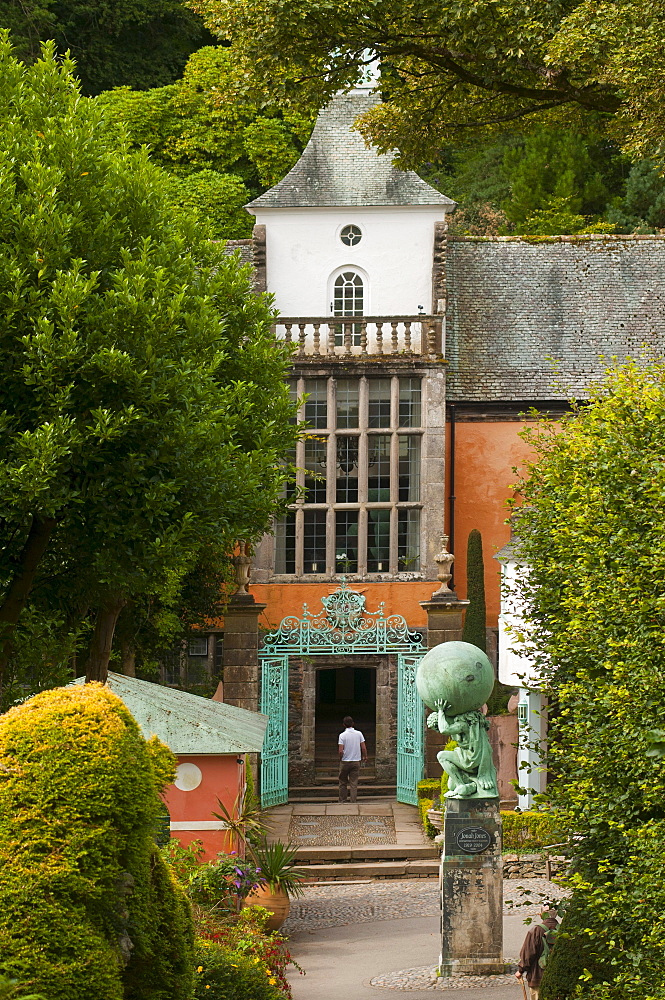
<point x="456" y="672"/>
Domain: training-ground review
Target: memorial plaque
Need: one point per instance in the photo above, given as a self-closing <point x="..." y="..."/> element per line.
<point x="473" y="840"/>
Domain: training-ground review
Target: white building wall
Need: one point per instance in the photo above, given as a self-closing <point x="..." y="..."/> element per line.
<point x="519" y="671"/>
<point x="516" y="667"/>
<point x="304" y="252"/>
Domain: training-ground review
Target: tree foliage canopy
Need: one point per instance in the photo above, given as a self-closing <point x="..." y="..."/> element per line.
<point x="220" y="146"/>
<point x="453" y="67"/>
<point x="591" y="530"/>
<point x="143" y="408"/>
<point x="138" y="43"/>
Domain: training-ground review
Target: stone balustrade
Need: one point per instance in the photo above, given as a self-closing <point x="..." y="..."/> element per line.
<point x="363" y="336"/>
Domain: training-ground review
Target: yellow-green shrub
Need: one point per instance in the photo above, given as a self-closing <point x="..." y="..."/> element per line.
<point x="423" y="806"/>
<point x="530" y="831"/>
<point x="86" y="903"/>
<point x="429" y="788"/>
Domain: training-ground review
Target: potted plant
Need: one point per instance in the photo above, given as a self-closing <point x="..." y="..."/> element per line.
<point x="282" y="879"/>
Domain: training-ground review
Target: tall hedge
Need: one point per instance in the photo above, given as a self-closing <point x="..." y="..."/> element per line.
<point x="88" y="909"/>
<point x="590" y="524"/>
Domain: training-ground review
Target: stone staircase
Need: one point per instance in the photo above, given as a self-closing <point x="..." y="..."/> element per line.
<point x="326" y="761"/>
<point x="335" y="864"/>
<point x="326" y="789"/>
<point x="410" y="856"/>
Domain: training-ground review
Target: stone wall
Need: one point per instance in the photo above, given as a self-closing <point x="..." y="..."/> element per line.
<point x="517" y="308"/>
<point x="534" y="866"/>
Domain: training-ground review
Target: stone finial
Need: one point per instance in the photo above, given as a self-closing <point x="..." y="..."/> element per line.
<point x="444" y="561"/>
<point x="243" y="563"/>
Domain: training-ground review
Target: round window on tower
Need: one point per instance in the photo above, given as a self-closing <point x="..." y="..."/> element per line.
<point x="350" y="235"/>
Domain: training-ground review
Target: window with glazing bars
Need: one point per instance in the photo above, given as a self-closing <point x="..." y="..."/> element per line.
<point x="359" y="510"/>
<point x="348" y="300"/>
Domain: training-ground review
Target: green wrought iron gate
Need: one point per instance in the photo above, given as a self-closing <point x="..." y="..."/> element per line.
<point x="410" y="730"/>
<point x="275" y="754"/>
<point x="343" y="627"/>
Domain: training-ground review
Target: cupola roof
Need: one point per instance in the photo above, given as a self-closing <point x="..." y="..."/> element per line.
<point x="337" y="169"/>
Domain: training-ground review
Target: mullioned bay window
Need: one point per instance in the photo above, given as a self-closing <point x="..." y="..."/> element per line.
<point x="360" y="470"/>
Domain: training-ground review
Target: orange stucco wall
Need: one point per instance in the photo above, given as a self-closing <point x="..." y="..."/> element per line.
<point x="222" y="778"/>
<point x="485" y="455"/>
<point x="288" y="598"/>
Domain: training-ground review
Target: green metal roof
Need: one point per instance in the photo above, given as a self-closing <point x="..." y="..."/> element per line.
<point x="187" y="723"/>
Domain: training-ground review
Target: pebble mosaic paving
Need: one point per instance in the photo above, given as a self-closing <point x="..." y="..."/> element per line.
<point x="423" y="978"/>
<point x="342" y="831"/>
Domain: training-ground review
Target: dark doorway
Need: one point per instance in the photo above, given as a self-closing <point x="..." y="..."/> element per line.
<point x="343" y="691"/>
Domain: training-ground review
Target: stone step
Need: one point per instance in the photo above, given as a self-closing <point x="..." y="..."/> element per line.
<point x="331" y="776"/>
<point x="314" y="793"/>
<point x="408" y="868"/>
<point x="382" y="852"/>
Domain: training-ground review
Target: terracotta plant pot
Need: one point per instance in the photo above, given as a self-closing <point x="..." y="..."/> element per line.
<point x="277" y="902"/>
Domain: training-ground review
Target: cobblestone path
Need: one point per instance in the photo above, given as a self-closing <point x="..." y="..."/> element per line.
<point x="337" y="904"/>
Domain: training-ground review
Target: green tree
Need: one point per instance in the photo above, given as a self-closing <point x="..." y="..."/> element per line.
<point x="642" y="209"/>
<point x="454" y="67"/>
<point x="114" y="42"/>
<point x="553" y="165"/>
<point x="221" y="146"/>
<point x="144" y="409"/>
<point x="591" y="530"/>
<point x="542" y="182"/>
<point x="475" y="619"/>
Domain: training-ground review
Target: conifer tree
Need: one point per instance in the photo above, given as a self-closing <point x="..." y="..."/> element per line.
<point x="475" y="621"/>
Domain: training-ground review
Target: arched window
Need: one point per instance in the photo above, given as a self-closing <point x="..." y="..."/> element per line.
<point x="348" y="300"/>
<point x="349" y="294"/>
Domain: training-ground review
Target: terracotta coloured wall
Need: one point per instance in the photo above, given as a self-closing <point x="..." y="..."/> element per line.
<point x="223" y="778"/>
<point x="485" y="455"/>
<point x="401" y="598"/>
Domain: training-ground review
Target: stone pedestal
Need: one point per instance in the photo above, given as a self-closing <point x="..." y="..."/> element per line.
<point x="445" y="621"/>
<point x="241" y="652"/>
<point x="471" y="882"/>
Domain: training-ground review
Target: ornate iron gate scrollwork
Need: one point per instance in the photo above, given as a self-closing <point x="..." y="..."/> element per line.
<point x="410" y="730"/>
<point x="343" y="627"/>
<point x="275" y="754"/>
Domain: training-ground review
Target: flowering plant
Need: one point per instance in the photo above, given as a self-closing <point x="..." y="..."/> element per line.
<point x="226" y="975"/>
<point x="247" y="937"/>
<point x="222" y="884"/>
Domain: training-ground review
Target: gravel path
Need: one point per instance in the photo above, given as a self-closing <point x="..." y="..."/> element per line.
<point x="336" y="904"/>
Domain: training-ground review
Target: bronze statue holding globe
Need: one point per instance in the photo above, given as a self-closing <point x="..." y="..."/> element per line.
<point x="455" y="680"/>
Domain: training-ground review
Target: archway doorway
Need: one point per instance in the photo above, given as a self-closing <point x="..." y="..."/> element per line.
<point x="342" y="632"/>
<point x="342" y="691"/>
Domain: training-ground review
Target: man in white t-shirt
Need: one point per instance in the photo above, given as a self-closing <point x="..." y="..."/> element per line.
<point x="352" y="749"/>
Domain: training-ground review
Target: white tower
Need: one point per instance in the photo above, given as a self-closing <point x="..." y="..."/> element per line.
<point x="345" y="209"/>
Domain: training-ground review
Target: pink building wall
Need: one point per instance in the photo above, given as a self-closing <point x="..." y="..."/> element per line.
<point x="191" y="811"/>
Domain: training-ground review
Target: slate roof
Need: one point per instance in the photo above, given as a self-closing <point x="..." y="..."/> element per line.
<point x="187" y="723"/>
<point x="338" y="169"/>
<point x="540" y="318"/>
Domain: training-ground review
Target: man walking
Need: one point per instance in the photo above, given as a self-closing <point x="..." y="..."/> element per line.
<point x="352" y="749"/>
<point x="535" y="951"/>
